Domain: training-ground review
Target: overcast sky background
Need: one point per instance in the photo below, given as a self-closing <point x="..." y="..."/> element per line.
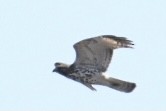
<point x="34" y="34"/>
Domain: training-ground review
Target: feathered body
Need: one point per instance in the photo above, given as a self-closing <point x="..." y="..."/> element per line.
<point x="93" y="57"/>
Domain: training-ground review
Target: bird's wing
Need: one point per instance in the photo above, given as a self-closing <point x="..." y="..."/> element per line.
<point x="98" y="51"/>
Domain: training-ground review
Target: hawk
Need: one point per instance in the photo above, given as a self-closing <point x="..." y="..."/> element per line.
<point x="93" y="56"/>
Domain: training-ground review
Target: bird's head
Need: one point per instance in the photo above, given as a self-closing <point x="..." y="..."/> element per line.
<point x="60" y="67"/>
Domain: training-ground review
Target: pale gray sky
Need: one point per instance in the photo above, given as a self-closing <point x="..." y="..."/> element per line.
<point x="36" y="33"/>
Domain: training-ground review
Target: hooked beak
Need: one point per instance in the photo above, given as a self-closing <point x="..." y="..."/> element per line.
<point x="54" y="70"/>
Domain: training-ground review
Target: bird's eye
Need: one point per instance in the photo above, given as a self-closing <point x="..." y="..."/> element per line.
<point x="57" y="64"/>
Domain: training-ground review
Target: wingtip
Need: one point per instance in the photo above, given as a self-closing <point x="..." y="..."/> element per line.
<point x="118" y="42"/>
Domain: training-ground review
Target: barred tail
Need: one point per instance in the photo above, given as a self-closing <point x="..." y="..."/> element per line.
<point x="116" y="84"/>
<point x="120" y="85"/>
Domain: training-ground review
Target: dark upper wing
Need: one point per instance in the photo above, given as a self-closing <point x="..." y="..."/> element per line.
<point x="97" y="52"/>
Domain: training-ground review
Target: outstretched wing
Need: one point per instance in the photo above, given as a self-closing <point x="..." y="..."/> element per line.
<point x="97" y="52"/>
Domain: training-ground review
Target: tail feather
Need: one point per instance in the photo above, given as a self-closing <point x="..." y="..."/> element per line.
<point x="120" y="85"/>
<point x="116" y="84"/>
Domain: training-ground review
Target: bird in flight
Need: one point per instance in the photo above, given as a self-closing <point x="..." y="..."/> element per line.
<point x="93" y="56"/>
